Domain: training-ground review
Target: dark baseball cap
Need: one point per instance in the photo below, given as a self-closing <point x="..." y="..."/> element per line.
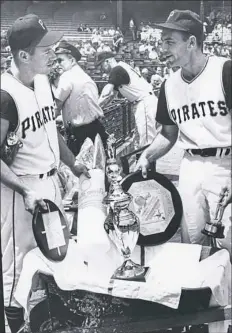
<point x="183" y="20"/>
<point x="29" y="30"/>
<point x="66" y="48"/>
<point x="102" y="56"/>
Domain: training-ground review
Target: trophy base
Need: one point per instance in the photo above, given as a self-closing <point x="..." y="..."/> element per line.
<point x="214" y="231"/>
<point x="131" y="272"/>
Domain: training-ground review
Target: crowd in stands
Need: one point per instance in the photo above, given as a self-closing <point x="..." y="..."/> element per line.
<point x="147" y="45"/>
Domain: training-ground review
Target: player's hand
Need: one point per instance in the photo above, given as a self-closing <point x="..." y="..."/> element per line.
<point x="31" y="200"/>
<point x="78" y="169"/>
<point x="226" y="195"/>
<point x="142" y="164"/>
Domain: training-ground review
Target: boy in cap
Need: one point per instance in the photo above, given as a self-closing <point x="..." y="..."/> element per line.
<point x="194" y="109"/>
<point x="28" y="111"/>
<point x="77" y="96"/>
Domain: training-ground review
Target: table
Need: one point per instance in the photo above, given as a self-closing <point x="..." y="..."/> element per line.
<point x="86" y="312"/>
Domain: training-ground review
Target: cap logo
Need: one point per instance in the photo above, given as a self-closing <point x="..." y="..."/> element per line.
<point x="171" y="14"/>
<point x="41" y="23"/>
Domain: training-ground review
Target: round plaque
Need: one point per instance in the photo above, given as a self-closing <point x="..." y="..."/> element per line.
<point x="51" y="231"/>
<point x="157" y="204"/>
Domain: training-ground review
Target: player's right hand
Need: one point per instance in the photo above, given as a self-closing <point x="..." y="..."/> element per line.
<point x="142" y="164"/>
<point x="31" y="200"/>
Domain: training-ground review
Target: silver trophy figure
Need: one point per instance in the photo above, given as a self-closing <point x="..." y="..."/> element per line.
<point x="215" y="229"/>
<point x="121" y="224"/>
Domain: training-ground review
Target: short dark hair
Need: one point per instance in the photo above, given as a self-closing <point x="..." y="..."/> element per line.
<point x="199" y="38"/>
<point x="30" y="50"/>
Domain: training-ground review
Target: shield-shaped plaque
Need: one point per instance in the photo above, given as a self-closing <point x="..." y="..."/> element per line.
<point x="51" y="231"/>
<point x="157" y="204"/>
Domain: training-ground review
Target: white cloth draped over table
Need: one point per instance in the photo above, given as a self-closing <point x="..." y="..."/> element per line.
<point x="91" y="262"/>
<point x="173" y="266"/>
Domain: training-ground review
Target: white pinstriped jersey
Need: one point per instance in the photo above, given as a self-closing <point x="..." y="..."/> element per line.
<point x="199" y="107"/>
<point x="37" y="129"/>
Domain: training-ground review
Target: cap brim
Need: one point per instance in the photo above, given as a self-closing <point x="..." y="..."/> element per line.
<point x="98" y="63"/>
<point x="107" y="56"/>
<point x="51" y="38"/>
<point x="170" y="26"/>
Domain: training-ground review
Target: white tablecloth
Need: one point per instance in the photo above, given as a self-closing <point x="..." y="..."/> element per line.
<point x="173" y="266"/>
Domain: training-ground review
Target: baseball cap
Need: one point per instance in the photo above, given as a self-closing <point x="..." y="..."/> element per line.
<point x="102" y="56"/>
<point x="183" y="20"/>
<point x="66" y="48"/>
<point x="30" y="30"/>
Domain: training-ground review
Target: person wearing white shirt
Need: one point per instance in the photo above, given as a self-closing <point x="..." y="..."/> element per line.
<point x="77" y="96"/>
<point x="153" y="54"/>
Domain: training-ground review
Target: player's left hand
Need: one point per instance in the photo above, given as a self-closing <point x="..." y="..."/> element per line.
<point x="78" y="169"/>
<point x="226" y="195"/>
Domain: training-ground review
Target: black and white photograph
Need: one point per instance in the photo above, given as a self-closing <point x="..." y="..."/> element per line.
<point x="116" y="152"/>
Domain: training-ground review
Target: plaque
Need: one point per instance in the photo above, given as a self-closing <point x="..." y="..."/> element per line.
<point x="157" y="204"/>
<point x="51" y="231"/>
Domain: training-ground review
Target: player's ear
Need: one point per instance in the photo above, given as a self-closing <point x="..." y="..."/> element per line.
<point x="23" y="55"/>
<point x="192" y="42"/>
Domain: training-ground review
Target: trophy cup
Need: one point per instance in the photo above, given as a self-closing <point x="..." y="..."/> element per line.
<point x="121" y="224"/>
<point x="215" y="229"/>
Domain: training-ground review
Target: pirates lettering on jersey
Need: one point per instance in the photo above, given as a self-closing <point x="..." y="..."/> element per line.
<point x="37" y="120"/>
<point x="199" y="110"/>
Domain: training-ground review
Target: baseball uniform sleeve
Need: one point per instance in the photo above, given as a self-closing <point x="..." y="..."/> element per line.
<point x="64" y="88"/>
<point x="9" y="110"/>
<point x="226" y="79"/>
<point x="162" y="115"/>
<point x="119" y="76"/>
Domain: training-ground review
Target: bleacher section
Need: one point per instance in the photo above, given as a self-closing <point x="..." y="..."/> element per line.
<point x="58" y="16"/>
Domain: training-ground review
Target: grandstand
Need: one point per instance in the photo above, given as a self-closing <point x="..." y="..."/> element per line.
<point x="67" y="16"/>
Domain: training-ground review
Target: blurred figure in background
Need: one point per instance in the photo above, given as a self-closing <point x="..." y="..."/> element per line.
<point x="124" y="79"/>
<point x="136" y="68"/>
<point x="77" y="96"/>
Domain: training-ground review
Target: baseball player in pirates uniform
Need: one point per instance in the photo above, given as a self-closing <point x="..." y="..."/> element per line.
<point x="194" y="109"/>
<point x="136" y="89"/>
<point x="27" y="111"/>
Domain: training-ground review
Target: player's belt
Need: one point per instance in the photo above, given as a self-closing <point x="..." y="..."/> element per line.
<point x="48" y="174"/>
<point x="207" y="152"/>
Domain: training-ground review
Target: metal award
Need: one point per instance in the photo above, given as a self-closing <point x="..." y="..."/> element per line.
<point x="121" y="224"/>
<point x="215" y="228"/>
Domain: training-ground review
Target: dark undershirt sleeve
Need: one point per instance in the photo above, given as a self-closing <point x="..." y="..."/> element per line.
<point x="119" y="76"/>
<point x="226" y="79"/>
<point x="162" y="115"/>
<point x="8" y="110"/>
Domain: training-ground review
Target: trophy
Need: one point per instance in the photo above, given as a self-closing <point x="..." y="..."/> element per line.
<point x="121" y="224"/>
<point x="215" y="229"/>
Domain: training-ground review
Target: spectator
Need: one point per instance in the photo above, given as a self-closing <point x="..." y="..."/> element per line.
<point x="105" y="32"/>
<point x="96" y="39"/>
<point x="159" y="71"/>
<point x="142" y="47"/>
<point x="225" y="52"/>
<point x="145" y="74"/>
<point x="136" y="68"/>
<point x="117" y="41"/>
<point x="3" y="64"/>
<point x="132" y="28"/>
<point x="111" y="31"/>
<point x="89" y="50"/>
<point x="153" y="54"/>
<point x="103" y="48"/>
<point x="80" y="28"/>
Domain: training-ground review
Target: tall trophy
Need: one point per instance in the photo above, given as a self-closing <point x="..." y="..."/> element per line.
<point x="121" y="224"/>
<point x="215" y="229"/>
